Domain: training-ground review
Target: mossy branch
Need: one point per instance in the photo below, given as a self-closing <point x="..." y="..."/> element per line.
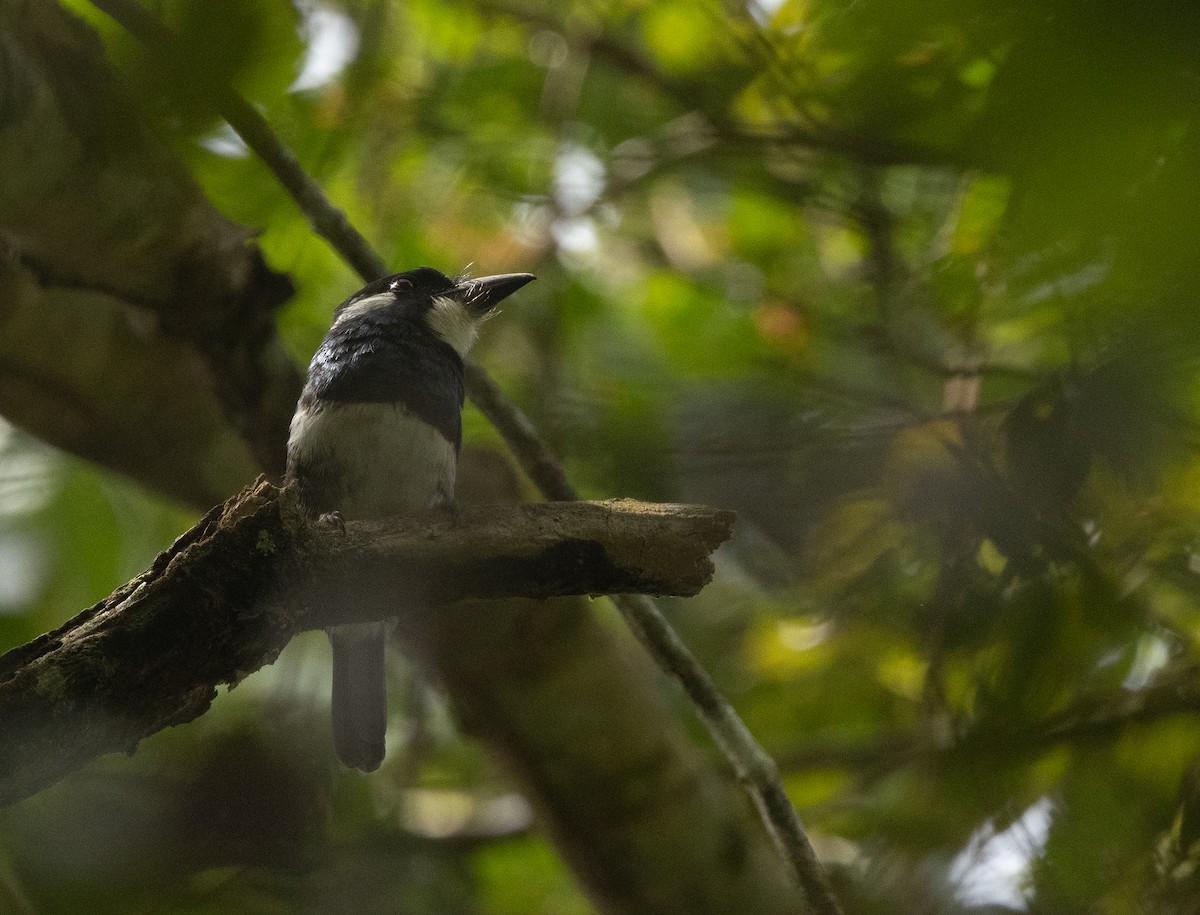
<point x="229" y="594"/>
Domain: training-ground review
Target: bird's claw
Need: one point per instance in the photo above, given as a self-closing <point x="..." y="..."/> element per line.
<point x="334" y="520"/>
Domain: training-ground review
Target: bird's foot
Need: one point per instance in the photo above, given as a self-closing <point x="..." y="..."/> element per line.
<point x="333" y="520"/>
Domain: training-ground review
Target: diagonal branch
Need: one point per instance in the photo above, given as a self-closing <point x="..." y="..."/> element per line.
<point x="327" y="220"/>
<point x="230" y="593"/>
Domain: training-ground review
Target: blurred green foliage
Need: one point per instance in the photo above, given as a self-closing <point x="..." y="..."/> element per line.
<point x="911" y="286"/>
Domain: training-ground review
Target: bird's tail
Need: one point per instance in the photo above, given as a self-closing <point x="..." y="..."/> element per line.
<point x="359" y="700"/>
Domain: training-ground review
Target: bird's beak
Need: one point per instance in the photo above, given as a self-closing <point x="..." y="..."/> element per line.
<point x="482" y="295"/>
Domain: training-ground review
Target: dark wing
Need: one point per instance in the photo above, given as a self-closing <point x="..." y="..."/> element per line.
<point x="380" y="364"/>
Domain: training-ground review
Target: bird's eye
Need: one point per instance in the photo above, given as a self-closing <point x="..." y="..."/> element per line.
<point x="401" y="285"/>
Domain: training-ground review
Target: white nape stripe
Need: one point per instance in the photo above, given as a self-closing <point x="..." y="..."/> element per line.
<point x="454" y="323"/>
<point x="370" y="303"/>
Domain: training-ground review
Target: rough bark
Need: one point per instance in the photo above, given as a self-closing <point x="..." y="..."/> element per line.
<point x="78" y="373"/>
<point x="228" y="595"/>
<point x="97" y="215"/>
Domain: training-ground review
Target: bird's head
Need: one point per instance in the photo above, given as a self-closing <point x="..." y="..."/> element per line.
<point x="453" y="308"/>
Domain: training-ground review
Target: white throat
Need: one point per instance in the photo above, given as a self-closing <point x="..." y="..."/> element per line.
<point x="454" y="323"/>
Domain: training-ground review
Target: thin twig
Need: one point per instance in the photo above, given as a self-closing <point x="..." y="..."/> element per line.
<point x="687" y="95"/>
<point x="326" y="219"/>
<point x="536" y="458"/>
<point x="752" y="764"/>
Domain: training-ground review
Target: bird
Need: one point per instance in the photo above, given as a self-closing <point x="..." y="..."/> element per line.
<point x="376" y="433"/>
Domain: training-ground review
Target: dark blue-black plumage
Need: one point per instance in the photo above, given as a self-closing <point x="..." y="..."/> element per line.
<point x="390" y="357"/>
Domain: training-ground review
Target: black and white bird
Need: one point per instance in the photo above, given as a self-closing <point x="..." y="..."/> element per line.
<point x="376" y="433"/>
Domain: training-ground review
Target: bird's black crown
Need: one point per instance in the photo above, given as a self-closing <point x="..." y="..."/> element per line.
<point x="420" y="285"/>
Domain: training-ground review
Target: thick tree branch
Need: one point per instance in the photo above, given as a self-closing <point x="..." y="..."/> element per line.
<point x="102" y="229"/>
<point x="78" y="374"/>
<point x="230" y="593"/>
<point x="547" y="549"/>
<point x="650" y="825"/>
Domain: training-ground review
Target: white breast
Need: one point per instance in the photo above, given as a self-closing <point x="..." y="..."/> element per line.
<point x="391" y="462"/>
